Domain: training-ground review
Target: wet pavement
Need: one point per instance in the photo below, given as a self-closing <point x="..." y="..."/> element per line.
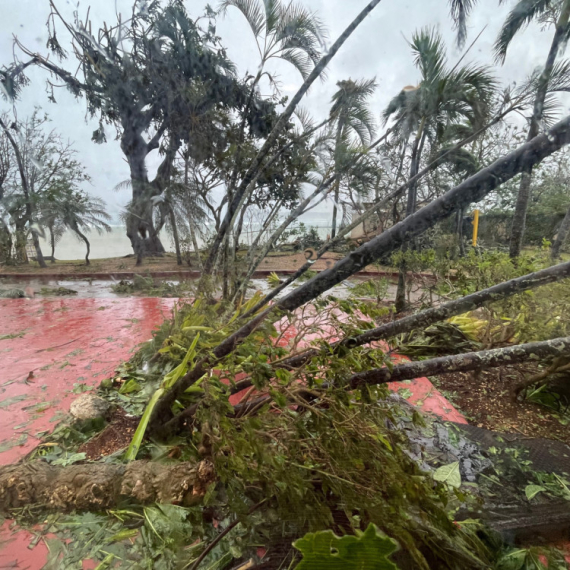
<point x="102" y="288"/>
<point x="48" y="347"/>
<point x="53" y="348"/>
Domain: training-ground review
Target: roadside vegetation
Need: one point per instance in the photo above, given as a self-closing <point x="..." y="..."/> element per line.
<point x="257" y="428"/>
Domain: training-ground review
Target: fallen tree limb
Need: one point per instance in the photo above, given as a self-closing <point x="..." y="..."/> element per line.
<point x="535" y="351"/>
<point x="456" y="307"/>
<point x="557" y="366"/>
<point x="102" y="485"/>
<point x="471" y="190"/>
<point x="377" y="207"/>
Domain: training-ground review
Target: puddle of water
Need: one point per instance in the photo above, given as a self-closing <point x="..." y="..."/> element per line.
<point x="102" y="289"/>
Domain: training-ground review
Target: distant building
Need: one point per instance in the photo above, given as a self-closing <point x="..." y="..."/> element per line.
<point x="372" y="226"/>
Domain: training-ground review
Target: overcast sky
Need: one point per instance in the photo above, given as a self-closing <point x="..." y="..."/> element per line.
<point x="378" y="49"/>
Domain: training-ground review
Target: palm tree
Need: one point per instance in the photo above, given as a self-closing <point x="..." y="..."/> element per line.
<point x="77" y="211"/>
<point x="352" y="117"/>
<point x="524" y="12"/>
<point x="282" y="31"/>
<point x="443" y="98"/>
<point x="257" y="164"/>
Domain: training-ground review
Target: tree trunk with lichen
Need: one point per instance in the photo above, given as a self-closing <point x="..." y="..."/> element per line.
<point x="547" y="350"/>
<point x="102" y="485"/>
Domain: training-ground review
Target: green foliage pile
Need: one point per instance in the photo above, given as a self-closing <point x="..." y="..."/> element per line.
<point x="534" y="315"/>
<point x="311" y="458"/>
<point x="306" y="460"/>
<point x="148" y="286"/>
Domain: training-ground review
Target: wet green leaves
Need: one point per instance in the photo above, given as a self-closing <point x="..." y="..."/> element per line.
<point x="449" y="474"/>
<point x="368" y="550"/>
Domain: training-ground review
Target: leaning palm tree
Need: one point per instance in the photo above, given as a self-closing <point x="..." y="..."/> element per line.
<point x="76" y="211"/>
<point x="352" y="118"/>
<point x="442" y="98"/>
<point x="556" y="12"/>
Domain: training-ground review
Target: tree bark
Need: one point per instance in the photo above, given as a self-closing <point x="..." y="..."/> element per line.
<point x="99" y="486"/>
<point x="175" y="235"/>
<point x="140" y="226"/>
<point x="561" y="237"/>
<point x="52" y="243"/>
<point x="5" y="243"/>
<point x="461" y="244"/>
<point x="523" y="198"/>
<point x="471" y="190"/>
<point x="83" y="237"/>
<point x="339" y="130"/>
<point x="283" y="120"/>
<point x="410" y="209"/>
<point x="21" y="254"/>
<point x="534" y="351"/>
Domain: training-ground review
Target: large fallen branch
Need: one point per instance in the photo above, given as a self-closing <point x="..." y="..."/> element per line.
<point x="98" y="486"/>
<point x="471" y="190"/>
<point x="378" y="206"/>
<point x="428" y="317"/>
<point x="545" y="351"/>
<point x="534" y="351"/>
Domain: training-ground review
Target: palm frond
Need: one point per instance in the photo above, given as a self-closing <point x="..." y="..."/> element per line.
<point x="461" y="161"/>
<point x="252" y="10"/>
<point x="560" y="77"/>
<point x="305" y="118"/>
<point x="124" y="185"/>
<point x="299" y="29"/>
<point x="521" y="16"/>
<point x="300" y="62"/>
<point x="429" y="50"/>
<point x="362" y="122"/>
<point x="550" y="111"/>
<point x="273" y="10"/>
<point x="460" y="10"/>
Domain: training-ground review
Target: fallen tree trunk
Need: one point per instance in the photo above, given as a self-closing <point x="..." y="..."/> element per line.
<point x="102" y="485"/>
<point x="471" y="190"/>
<point x="535" y="351"/>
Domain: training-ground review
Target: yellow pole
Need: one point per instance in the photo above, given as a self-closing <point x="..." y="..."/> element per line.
<point x="475" y="227"/>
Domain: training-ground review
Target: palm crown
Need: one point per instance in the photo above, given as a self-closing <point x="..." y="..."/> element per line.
<point x="284" y="31"/>
<point x="444" y="96"/>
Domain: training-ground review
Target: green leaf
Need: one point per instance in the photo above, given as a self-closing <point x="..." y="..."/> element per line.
<point x="405" y="393"/>
<point x="131" y="453"/>
<point x="532" y="491"/>
<point x="368" y="550"/>
<point x="512" y="561"/>
<point x="70" y="459"/>
<point x="129" y="387"/>
<point x="106" y="562"/>
<point x="172" y="377"/>
<point x="449" y="474"/>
